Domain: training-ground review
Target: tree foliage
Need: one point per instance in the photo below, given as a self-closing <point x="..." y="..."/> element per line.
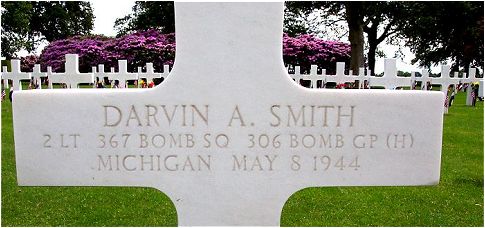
<point x="147" y="15"/>
<point x="434" y="31"/>
<point x="15" y="26"/>
<point x="438" y="31"/>
<point x="26" y="24"/>
<point x="376" y="19"/>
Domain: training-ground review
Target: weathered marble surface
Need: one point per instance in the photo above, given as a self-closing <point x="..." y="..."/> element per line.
<point x="238" y="132"/>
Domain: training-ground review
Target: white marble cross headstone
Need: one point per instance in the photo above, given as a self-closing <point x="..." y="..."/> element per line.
<point x="72" y="72"/>
<point x="56" y="78"/>
<point x="16" y="75"/>
<point x="71" y="77"/>
<point x="297" y="76"/>
<point x="313" y="77"/>
<point x="149" y="74"/>
<point x="480" y="88"/>
<point x="101" y="74"/>
<point x="445" y="81"/>
<point x="413" y="80"/>
<point x="362" y="77"/>
<point x="37" y="75"/>
<point x="226" y="142"/>
<point x="340" y="76"/>
<point x="390" y="80"/>
<point x="122" y="75"/>
<point x="471" y="79"/>
<point x="425" y="79"/>
<point x="5" y="81"/>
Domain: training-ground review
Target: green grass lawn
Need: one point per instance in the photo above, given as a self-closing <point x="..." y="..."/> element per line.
<point x="456" y="201"/>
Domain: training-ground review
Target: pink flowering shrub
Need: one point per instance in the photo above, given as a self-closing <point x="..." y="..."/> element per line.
<point x="152" y="46"/>
<point x="27" y="63"/>
<point x="138" y="48"/>
<point x="306" y="50"/>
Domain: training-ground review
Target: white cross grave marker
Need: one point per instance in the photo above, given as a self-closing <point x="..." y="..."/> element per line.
<point x="471" y="79"/>
<point x="149" y="74"/>
<point x="94" y="71"/>
<point x="412" y="86"/>
<point x="390" y="80"/>
<point x="480" y="88"/>
<point x="122" y="76"/>
<point x="72" y="72"/>
<point x="166" y="71"/>
<point x="16" y="75"/>
<point x="56" y="78"/>
<point x="362" y="77"/>
<point x="425" y="79"/>
<point x="445" y="81"/>
<point x="101" y="74"/>
<point x="71" y="77"/>
<point x="37" y="75"/>
<point x="313" y="77"/>
<point x="297" y="76"/>
<point x="229" y="144"/>
<point x="340" y="76"/>
<point x="5" y="81"/>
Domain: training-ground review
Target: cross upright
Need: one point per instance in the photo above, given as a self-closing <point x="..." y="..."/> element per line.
<point x="362" y="77"/>
<point x="149" y="74"/>
<point x="122" y="75"/>
<point x="340" y="76"/>
<point x="37" y="75"/>
<point x="471" y="79"/>
<point x="412" y="86"/>
<point x="313" y="77"/>
<point x="101" y="73"/>
<point x="5" y="81"/>
<point x="16" y="75"/>
<point x="72" y="72"/>
<point x="166" y="71"/>
<point x="56" y="78"/>
<point x="480" y="88"/>
<point x="425" y="79"/>
<point x="390" y="79"/>
<point x="445" y="80"/>
<point x="71" y="76"/>
<point x="94" y="70"/>
<point x="297" y="76"/>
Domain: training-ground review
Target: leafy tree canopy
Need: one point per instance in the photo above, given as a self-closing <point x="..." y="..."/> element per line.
<point x="26" y="24"/>
<point x="147" y="15"/>
<point x="434" y="31"/>
<point x="438" y="31"/>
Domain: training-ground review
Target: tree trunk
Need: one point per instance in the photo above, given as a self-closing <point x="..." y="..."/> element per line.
<point x="354" y="16"/>
<point x="371" y="58"/>
<point x="466" y="66"/>
<point x="372" y="40"/>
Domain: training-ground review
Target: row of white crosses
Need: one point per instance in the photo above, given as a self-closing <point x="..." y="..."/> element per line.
<point x="72" y="77"/>
<point x="390" y="79"/>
